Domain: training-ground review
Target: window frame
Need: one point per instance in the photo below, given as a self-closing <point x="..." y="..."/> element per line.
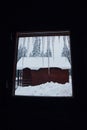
<point x="33" y="34"/>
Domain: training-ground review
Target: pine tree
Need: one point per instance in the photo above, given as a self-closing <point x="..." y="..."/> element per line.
<point x="48" y="52"/>
<point x="22" y="52"/>
<point x="43" y="42"/>
<point x="66" y="52"/>
<point x="36" y="48"/>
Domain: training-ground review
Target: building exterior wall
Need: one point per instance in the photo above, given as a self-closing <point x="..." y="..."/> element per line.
<point x="43" y="75"/>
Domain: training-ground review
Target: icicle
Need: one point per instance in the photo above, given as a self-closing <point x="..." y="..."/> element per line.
<point x="59" y="38"/>
<point x="28" y="42"/>
<point x="43" y="42"/>
<point x="64" y="39"/>
<point x="28" y="45"/>
<point x="48" y="47"/>
<point x="59" y="46"/>
<point x="53" y="38"/>
<point x="68" y="41"/>
<point x="69" y="48"/>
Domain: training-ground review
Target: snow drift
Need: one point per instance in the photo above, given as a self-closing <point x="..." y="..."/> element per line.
<point x="46" y="89"/>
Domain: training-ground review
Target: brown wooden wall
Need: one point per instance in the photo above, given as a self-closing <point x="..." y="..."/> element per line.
<point x="36" y="77"/>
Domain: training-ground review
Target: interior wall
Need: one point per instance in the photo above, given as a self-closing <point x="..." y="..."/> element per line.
<point x="22" y="111"/>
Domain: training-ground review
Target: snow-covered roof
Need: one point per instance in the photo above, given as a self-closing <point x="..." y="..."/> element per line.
<point x="36" y="63"/>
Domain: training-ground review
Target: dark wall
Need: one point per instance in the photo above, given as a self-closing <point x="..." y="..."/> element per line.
<point x="23" y="112"/>
<point x="36" y="77"/>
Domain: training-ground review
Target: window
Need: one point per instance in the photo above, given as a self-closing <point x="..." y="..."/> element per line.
<point x="43" y="64"/>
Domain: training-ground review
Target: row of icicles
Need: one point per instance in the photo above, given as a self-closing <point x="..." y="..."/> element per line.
<point x="50" y="40"/>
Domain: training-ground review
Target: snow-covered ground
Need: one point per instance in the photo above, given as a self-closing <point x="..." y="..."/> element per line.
<point x="46" y="89"/>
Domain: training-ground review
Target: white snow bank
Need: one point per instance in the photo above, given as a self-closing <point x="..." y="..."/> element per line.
<point x="46" y="89"/>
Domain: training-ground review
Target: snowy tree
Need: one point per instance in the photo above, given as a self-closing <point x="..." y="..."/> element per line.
<point x="66" y="51"/>
<point x="43" y="42"/>
<point x="48" y="52"/>
<point x="36" y="48"/>
<point x="22" y="52"/>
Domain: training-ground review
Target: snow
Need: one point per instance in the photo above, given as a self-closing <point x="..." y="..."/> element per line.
<point x="58" y="42"/>
<point x="56" y="46"/>
<point x="46" y="89"/>
<point x="37" y="63"/>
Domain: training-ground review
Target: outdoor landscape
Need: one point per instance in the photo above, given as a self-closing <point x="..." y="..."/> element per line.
<point x="44" y="54"/>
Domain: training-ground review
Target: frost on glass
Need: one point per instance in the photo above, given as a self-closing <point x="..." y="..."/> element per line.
<point x="40" y="53"/>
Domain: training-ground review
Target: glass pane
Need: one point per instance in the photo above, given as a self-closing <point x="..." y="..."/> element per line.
<point x="44" y="66"/>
